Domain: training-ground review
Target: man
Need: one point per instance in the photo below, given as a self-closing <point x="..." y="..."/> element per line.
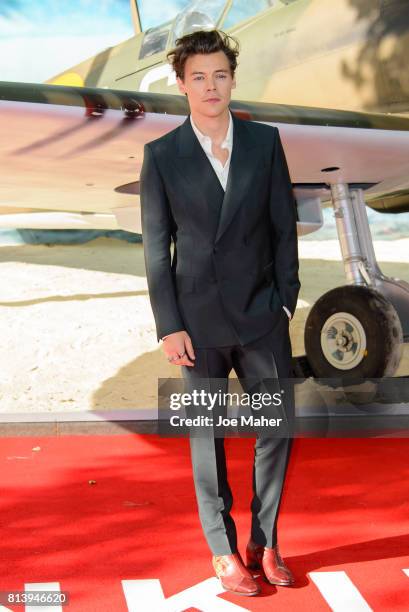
<point x="219" y="187"/>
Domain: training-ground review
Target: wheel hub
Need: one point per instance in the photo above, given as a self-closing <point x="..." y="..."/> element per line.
<point x="343" y="340"/>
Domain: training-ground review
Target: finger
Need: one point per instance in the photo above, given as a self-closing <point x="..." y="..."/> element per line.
<point x="176" y="359"/>
<point x="189" y="348"/>
<point x="172" y="357"/>
<point x="174" y="349"/>
<point x="184" y="361"/>
<point x="178" y="354"/>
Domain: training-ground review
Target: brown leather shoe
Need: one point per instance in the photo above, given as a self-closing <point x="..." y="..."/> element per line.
<point x="270" y="562"/>
<point x="234" y="576"/>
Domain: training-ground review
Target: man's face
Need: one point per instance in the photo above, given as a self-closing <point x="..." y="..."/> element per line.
<point x="208" y="83"/>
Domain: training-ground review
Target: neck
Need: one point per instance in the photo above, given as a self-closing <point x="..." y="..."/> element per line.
<point x="214" y="127"/>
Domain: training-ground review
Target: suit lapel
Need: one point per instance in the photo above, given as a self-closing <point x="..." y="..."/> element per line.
<point x="241" y="172"/>
<point x="198" y="171"/>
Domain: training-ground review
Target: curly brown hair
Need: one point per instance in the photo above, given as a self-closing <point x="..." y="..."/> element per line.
<point x="203" y="41"/>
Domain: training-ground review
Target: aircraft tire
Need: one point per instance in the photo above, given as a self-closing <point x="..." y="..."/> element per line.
<point x="353" y="332"/>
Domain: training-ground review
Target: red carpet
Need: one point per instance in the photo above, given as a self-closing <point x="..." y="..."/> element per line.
<point x="345" y="510"/>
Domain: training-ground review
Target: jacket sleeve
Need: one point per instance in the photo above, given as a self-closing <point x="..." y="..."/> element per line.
<point x="284" y="226"/>
<point x="156" y="235"/>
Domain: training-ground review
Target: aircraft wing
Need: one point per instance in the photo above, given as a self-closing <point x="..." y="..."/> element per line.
<point x="71" y="157"/>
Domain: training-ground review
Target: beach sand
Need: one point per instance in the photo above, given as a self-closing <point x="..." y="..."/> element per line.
<point x="77" y="332"/>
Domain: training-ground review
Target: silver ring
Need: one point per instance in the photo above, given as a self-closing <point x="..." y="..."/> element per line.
<point x="182" y="355"/>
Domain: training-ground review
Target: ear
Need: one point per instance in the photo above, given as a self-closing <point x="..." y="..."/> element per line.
<point x="233" y="83"/>
<point x="180" y="85"/>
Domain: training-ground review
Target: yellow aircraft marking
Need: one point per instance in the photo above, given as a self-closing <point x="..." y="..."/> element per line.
<point x="69" y="78"/>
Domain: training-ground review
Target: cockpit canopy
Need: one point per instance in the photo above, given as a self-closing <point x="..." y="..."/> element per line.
<point x="201" y="15"/>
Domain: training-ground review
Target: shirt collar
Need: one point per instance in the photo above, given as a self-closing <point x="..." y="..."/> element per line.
<point x="206" y="140"/>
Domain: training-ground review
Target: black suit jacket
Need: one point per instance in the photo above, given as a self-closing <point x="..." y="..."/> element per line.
<point x="235" y="259"/>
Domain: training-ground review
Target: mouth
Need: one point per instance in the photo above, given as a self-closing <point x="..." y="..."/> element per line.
<point x="212" y="100"/>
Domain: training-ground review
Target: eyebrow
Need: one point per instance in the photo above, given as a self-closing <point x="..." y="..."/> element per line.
<point x="219" y="70"/>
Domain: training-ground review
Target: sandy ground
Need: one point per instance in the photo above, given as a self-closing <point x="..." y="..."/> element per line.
<point x="77" y="332"/>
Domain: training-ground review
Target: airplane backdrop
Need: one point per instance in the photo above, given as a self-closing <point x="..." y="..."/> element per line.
<point x="72" y="148"/>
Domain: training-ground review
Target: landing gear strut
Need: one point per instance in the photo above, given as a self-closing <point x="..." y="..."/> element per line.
<point x="357" y="330"/>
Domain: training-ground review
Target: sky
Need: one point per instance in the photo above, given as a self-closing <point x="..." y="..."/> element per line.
<point x="40" y="38"/>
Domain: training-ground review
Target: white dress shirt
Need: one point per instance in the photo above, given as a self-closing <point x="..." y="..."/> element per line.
<point x="206" y="142"/>
<point x="221" y="171"/>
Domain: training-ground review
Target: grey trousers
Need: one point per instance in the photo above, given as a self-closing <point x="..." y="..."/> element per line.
<point x="254" y="361"/>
